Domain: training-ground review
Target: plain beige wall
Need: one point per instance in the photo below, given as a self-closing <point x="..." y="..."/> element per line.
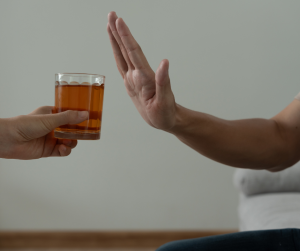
<point x="233" y="59"/>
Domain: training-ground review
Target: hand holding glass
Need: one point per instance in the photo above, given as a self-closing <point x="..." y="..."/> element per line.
<point x="80" y="92"/>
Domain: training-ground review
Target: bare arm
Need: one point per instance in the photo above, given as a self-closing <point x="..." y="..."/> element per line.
<point x="271" y="144"/>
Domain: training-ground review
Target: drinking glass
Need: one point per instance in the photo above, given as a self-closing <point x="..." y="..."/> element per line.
<point x="79" y="92"/>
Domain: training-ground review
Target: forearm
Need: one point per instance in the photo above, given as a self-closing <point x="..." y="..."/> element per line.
<point x="249" y="143"/>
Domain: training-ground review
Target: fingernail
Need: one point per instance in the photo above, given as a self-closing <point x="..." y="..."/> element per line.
<point x="63" y="148"/>
<point x="83" y="114"/>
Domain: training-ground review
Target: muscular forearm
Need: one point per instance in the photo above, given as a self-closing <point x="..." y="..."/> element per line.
<point x="254" y="143"/>
<point x="249" y="143"/>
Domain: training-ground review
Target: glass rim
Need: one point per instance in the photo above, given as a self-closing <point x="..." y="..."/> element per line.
<point x="80" y="74"/>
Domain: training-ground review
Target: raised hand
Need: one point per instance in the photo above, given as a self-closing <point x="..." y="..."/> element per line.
<point x="150" y="92"/>
<point x="31" y="136"/>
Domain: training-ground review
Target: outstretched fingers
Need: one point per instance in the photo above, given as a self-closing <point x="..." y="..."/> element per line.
<point x="117" y="44"/>
<point x="133" y="49"/>
<point x="121" y="63"/>
<point x="124" y="44"/>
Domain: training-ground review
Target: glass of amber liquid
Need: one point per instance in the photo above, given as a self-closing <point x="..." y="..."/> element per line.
<point x="79" y="92"/>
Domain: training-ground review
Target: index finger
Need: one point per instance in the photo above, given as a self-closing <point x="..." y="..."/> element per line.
<point x="134" y="50"/>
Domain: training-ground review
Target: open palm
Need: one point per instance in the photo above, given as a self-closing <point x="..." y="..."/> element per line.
<point x="150" y="92"/>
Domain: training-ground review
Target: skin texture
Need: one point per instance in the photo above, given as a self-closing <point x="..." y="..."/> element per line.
<point x="31" y="136"/>
<point x="271" y="144"/>
<point x="150" y="92"/>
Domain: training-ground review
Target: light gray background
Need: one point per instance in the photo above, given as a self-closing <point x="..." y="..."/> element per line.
<point x="232" y="59"/>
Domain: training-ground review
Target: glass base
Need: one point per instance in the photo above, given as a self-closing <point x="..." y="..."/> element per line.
<point x="72" y="135"/>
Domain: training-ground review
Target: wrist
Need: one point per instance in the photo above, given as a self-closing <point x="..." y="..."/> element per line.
<point x="184" y="121"/>
<point x="189" y="123"/>
<point x="180" y="121"/>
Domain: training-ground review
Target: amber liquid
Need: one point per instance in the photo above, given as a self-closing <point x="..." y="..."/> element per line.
<point x="80" y="98"/>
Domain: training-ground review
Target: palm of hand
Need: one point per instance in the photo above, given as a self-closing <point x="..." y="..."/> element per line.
<point x="150" y="92"/>
<point x="141" y="87"/>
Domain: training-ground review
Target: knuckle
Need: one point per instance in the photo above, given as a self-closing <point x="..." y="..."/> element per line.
<point x="47" y="124"/>
<point x="71" y="115"/>
<point x="137" y="47"/>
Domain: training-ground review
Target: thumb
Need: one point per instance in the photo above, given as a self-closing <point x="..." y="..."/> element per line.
<point x="163" y="84"/>
<point x="36" y="126"/>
